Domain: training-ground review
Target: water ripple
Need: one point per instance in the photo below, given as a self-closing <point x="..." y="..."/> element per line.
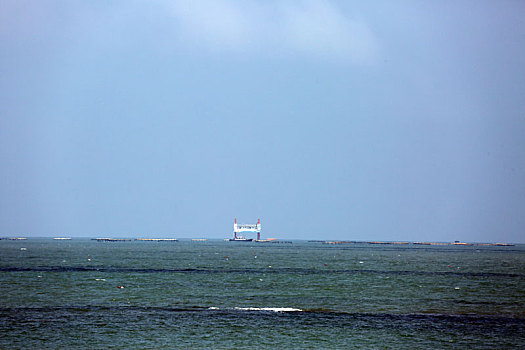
<point x="300" y="271"/>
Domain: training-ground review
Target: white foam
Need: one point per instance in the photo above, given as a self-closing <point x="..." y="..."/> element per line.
<point x="274" y="309"/>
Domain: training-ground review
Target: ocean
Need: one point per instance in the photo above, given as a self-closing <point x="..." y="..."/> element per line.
<point x="80" y="293"/>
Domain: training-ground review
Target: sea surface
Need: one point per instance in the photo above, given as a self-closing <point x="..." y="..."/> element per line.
<point x="82" y="293"/>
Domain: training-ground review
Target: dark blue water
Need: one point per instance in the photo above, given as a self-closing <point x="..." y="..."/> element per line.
<point x="216" y="294"/>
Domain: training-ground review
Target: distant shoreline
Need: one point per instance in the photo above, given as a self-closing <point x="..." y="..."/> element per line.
<point x="332" y="242"/>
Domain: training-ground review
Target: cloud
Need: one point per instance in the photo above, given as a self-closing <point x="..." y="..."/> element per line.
<point x="316" y="29"/>
<point x="273" y="28"/>
<point x="216" y="24"/>
<point x="319" y="28"/>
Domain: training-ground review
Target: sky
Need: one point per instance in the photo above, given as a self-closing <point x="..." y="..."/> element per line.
<point x="329" y="120"/>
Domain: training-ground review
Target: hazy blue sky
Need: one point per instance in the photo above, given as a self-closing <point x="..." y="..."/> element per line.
<point x="369" y="120"/>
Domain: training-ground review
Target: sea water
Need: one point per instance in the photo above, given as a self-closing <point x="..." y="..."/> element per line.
<point x="82" y="293"/>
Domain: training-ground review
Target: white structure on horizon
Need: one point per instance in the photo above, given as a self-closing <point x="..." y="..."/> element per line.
<point x="241" y="228"/>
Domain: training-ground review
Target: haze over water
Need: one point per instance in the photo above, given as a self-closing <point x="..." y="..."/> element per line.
<point x="366" y="120"/>
<point x="216" y="294"/>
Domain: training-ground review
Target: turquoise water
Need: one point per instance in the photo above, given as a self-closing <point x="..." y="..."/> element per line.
<point x="225" y="295"/>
